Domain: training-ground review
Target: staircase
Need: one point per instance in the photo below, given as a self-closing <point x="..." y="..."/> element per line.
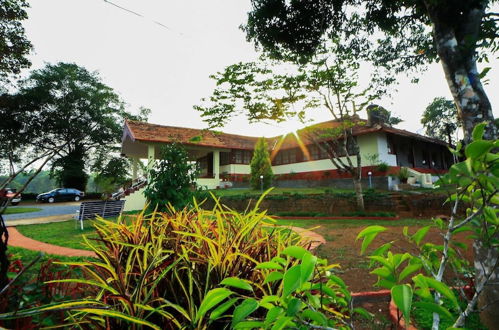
<point x="136" y="185"/>
<point x="401" y="207"/>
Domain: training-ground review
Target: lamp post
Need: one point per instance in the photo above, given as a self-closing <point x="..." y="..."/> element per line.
<point x="261" y="183"/>
<point x="370" y="180"/>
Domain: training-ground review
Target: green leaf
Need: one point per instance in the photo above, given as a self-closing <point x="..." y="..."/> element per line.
<point x="409" y="270"/>
<point x="268" y="265"/>
<point x="237" y="283"/>
<point x="478" y="148"/>
<point x="212" y="298"/>
<point x="217" y="312"/>
<point x="307" y="266"/>
<point x="266" y="301"/>
<point x="370" y="230"/>
<point x="480" y="128"/>
<point x="420" y="234"/>
<point x="294" y="305"/>
<point x="120" y="315"/>
<point x="443" y="289"/>
<point x="242" y="311"/>
<point x="272" y="277"/>
<point x="272" y="315"/>
<point x="361" y="311"/>
<point x="315" y="316"/>
<point x="291" y="280"/>
<point x="249" y="325"/>
<point x="402" y="297"/>
<point x="434" y="308"/>
<point x="282" y="323"/>
<point x="295" y="251"/>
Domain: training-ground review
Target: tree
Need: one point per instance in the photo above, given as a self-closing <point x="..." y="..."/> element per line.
<point x="440" y="120"/>
<point x="113" y="174"/>
<point x="78" y="109"/>
<point x="382" y="116"/>
<point x="261" y="166"/>
<point x="171" y="179"/>
<point x="14" y="46"/>
<point x="398" y="36"/>
<point x="261" y="92"/>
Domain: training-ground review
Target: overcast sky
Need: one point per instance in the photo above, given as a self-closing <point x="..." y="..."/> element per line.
<point x="167" y="68"/>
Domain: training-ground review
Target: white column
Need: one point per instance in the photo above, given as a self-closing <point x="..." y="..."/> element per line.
<point x="216" y="165"/>
<point x="150" y="156"/>
<point x="134" y="168"/>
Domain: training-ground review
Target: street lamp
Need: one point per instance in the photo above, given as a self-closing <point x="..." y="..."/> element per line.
<point x="370" y="174"/>
<point x="261" y="183"/>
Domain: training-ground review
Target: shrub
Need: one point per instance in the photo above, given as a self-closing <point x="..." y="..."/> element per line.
<point x="382" y="167"/>
<point x="157" y="270"/>
<point x="171" y="179"/>
<point x="261" y="168"/>
<point x="403" y="174"/>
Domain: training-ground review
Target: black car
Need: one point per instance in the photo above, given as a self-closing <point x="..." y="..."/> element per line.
<point x="60" y="194"/>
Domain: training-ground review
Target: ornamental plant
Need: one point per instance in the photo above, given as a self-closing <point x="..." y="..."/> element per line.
<point x="261" y="167"/>
<point x="300" y="293"/>
<point x="419" y="278"/>
<point x="171" y="179"/>
<point x="157" y="270"/>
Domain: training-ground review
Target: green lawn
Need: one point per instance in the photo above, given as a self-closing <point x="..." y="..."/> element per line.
<point x="17" y="210"/>
<point x="276" y="191"/>
<point x="350" y="223"/>
<point x="26" y="256"/>
<point x="59" y="233"/>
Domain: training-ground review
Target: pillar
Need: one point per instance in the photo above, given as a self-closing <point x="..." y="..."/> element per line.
<point x="134" y="168"/>
<point x="216" y="166"/>
<point x="150" y="156"/>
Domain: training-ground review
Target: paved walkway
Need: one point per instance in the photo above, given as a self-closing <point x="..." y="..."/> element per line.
<point x="47" y="210"/>
<point x="19" y="240"/>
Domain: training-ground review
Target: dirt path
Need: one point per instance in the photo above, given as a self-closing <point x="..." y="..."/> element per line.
<point x="19" y="240"/>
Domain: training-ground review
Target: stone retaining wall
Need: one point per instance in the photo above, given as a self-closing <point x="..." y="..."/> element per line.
<point x="418" y="205"/>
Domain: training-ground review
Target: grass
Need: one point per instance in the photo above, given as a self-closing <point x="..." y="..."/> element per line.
<point x="350" y="223"/>
<point x="18" y="210"/>
<point x="26" y="256"/>
<point x="275" y="191"/>
<point x="59" y="233"/>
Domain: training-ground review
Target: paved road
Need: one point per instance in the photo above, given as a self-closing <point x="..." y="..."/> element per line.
<point x="46" y="210"/>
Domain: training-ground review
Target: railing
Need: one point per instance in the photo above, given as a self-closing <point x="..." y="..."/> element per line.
<point x="134" y="186"/>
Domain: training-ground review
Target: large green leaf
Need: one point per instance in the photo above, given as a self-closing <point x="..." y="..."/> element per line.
<point x="402" y="297"/>
<point x="242" y="311"/>
<point x="294" y="305"/>
<point x="480" y="128"/>
<point x="295" y="251"/>
<point x="291" y="280"/>
<point x="268" y="265"/>
<point x="420" y="234"/>
<point x="478" y="148"/>
<point x="212" y="299"/>
<point x="307" y="266"/>
<point x="217" y="312"/>
<point x="237" y="283"/>
<point x="272" y="277"/>
<point x="443" y="289"/>
<point x="315" y="316"/>
<point x="432" y="307"/>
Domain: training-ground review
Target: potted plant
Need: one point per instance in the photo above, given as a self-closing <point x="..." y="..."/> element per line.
<point x="403" y="174"/>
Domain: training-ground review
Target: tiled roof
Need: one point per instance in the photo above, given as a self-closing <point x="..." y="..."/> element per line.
<point x="147" y="132"/>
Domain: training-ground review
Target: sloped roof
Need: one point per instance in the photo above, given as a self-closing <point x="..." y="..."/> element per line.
<point x="147" y="132"/>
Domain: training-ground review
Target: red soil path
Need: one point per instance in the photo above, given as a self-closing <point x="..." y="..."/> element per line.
<point x="19" y="240"/>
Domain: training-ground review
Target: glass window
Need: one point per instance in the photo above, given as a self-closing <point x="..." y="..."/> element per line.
<point x="314" y="152"/>
<point x="285" y="156"/>
<point x="239" y="156"/>
<point x="247" y="156"/>
<point x="292" y="155"/>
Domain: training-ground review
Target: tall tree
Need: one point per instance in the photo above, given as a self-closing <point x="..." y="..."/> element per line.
<point x="261" y="167"/>
<point x="14" y="46"/>
<point x="398" y="36"/>
<point x="267" y="90"/>
<point x="440" y="119"/>
<point x="78" y="109"/>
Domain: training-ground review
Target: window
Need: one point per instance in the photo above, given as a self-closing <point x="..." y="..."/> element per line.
<point x="224" y="158"/>
<point x="247" y="157"/>
<point x="390" y="145"/>
<point x="238" y="155"/>
<point x="291" y="155"/>
<point x="314" y="152"/>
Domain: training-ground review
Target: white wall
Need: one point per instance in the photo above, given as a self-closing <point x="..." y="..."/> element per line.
<point x="235" y="169"/>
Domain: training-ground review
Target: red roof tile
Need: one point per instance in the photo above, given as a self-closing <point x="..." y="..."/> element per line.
<point x="147" y="132"/>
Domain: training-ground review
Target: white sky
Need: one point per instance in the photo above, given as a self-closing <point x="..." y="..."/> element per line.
<point x="167" y="69"/>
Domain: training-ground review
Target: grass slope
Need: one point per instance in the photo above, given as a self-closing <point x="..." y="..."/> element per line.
<point x="18" y="210"/>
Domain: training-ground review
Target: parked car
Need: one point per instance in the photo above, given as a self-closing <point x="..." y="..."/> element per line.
<point x="7" y="193"/>
<point x="60" y="194"/>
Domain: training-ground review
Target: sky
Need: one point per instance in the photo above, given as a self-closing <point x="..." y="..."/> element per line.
<point x="162" y="59"/>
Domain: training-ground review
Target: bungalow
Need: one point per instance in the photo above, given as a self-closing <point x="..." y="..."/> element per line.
<point x="296" y="161"/>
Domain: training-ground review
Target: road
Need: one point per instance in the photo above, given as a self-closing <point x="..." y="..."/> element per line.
<point x="46" y="210"/>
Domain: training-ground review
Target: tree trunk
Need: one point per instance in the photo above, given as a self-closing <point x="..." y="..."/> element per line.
<point x="358" y="193"/>
<point x="456" y="48"/>
<point x="458" y="60"/>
